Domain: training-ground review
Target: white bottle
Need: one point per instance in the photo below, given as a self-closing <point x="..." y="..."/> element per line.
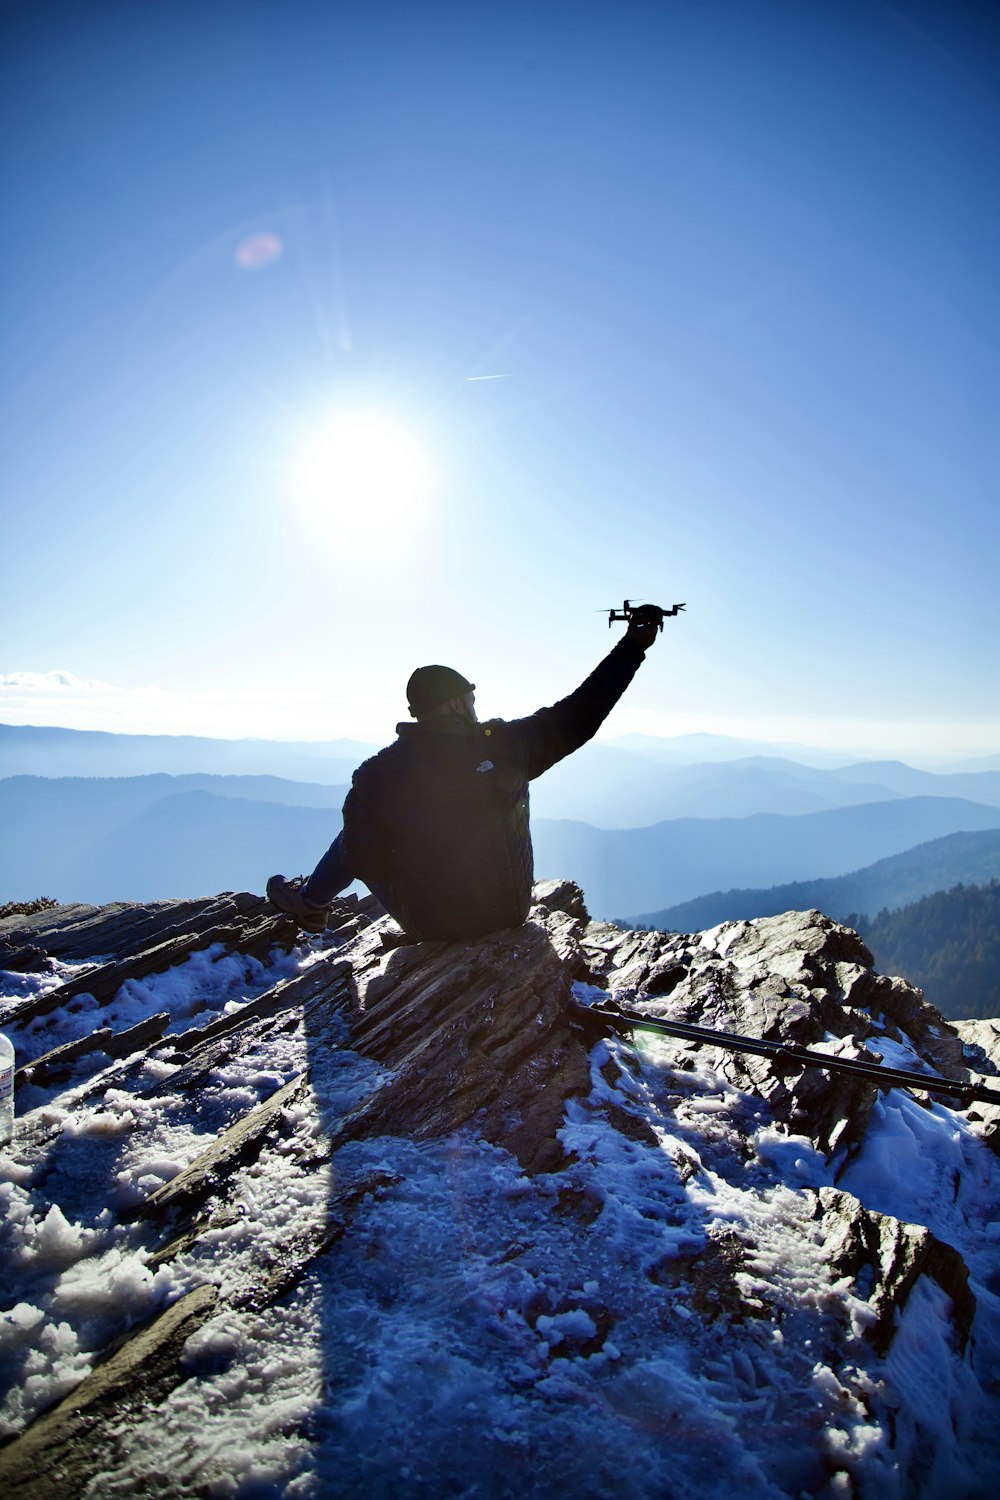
<point x="6" y="1090"/>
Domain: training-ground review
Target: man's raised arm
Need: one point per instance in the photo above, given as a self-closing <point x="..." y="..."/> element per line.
<point x="553" y="733"/>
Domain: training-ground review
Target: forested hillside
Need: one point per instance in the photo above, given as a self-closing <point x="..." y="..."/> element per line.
<point x="948" y="944"/>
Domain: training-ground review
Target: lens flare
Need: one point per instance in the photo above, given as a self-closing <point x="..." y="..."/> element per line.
<point x="258" y="251"/>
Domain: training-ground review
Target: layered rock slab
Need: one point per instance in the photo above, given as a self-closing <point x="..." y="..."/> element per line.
<point x="799" y="977"/>
<point x="474" y="1039"/>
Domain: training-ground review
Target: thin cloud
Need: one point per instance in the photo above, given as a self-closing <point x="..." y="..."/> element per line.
<point x="53" y="682"/>
<point x="489" y="377"/>
<point x="60" y="698"/>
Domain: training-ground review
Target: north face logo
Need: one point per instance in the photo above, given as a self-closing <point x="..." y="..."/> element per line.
<point x="486" y="765"/>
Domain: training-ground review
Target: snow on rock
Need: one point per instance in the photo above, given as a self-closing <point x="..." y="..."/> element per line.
<point x="370" y="1217"/>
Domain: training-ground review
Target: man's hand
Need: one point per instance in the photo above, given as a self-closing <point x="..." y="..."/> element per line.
<point x="644" y="626"/>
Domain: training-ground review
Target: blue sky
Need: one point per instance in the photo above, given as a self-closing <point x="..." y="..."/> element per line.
<point x="735" y="262"/>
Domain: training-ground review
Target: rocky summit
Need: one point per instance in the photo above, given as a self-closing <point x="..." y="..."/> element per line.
<point x="357" y="1216"/>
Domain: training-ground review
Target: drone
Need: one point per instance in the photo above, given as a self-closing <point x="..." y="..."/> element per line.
<point x="628" y="609"/>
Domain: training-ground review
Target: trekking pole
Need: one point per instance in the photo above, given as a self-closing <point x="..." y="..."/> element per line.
<point x="788" y="1052"/>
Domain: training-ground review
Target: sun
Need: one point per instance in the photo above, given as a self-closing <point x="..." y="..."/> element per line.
<point x="359" y="469"/>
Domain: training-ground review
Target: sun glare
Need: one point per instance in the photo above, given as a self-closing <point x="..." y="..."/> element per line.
<point x="360" y="468"/>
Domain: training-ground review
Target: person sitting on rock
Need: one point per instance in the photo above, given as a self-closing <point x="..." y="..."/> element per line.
<point x="436" y="824"/>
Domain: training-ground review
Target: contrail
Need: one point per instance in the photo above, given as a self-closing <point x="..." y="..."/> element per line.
<point x="489" y="377"/>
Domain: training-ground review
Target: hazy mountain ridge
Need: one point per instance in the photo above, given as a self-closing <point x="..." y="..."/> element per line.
<point x="606" y="783"/>
<point x="908" y="781"/>
<point x="642" y="834"/>
<point x="690" y="749"/>
<point x="41" y="750"/>
<point x="610" y="788"/>
<point x="892" y="882"/>
<point x="689" y="855"/>
<point x="152" y="837"/>
<point x="147" y="837"/>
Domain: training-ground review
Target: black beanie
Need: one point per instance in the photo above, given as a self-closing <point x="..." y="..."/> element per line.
<point x="429" y="687"/>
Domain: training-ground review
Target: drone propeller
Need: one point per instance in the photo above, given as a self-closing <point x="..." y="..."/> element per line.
<point x="628" y="609"/>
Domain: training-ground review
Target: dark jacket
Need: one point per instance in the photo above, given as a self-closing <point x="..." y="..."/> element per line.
<point x="437" y="823"/>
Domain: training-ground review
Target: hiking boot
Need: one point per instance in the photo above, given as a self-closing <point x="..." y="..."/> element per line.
<point x="287" y="896"/>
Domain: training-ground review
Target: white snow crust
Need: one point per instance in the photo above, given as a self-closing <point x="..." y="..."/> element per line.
<point x="478" y="1332"/>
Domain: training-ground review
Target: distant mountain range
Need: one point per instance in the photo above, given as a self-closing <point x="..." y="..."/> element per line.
<point x="30" y="750"/>
<point x="620" y="869"/>
<point x="640" y="834"/>
<point x="605" y="784"/>
<point x="612" y="788"/>
<point x="704" y="749"/>
<point x="143" y="838"/>
<point x="888" y="884"/>
<point x="35" y="750"/>
<point x="138" y="838"/>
